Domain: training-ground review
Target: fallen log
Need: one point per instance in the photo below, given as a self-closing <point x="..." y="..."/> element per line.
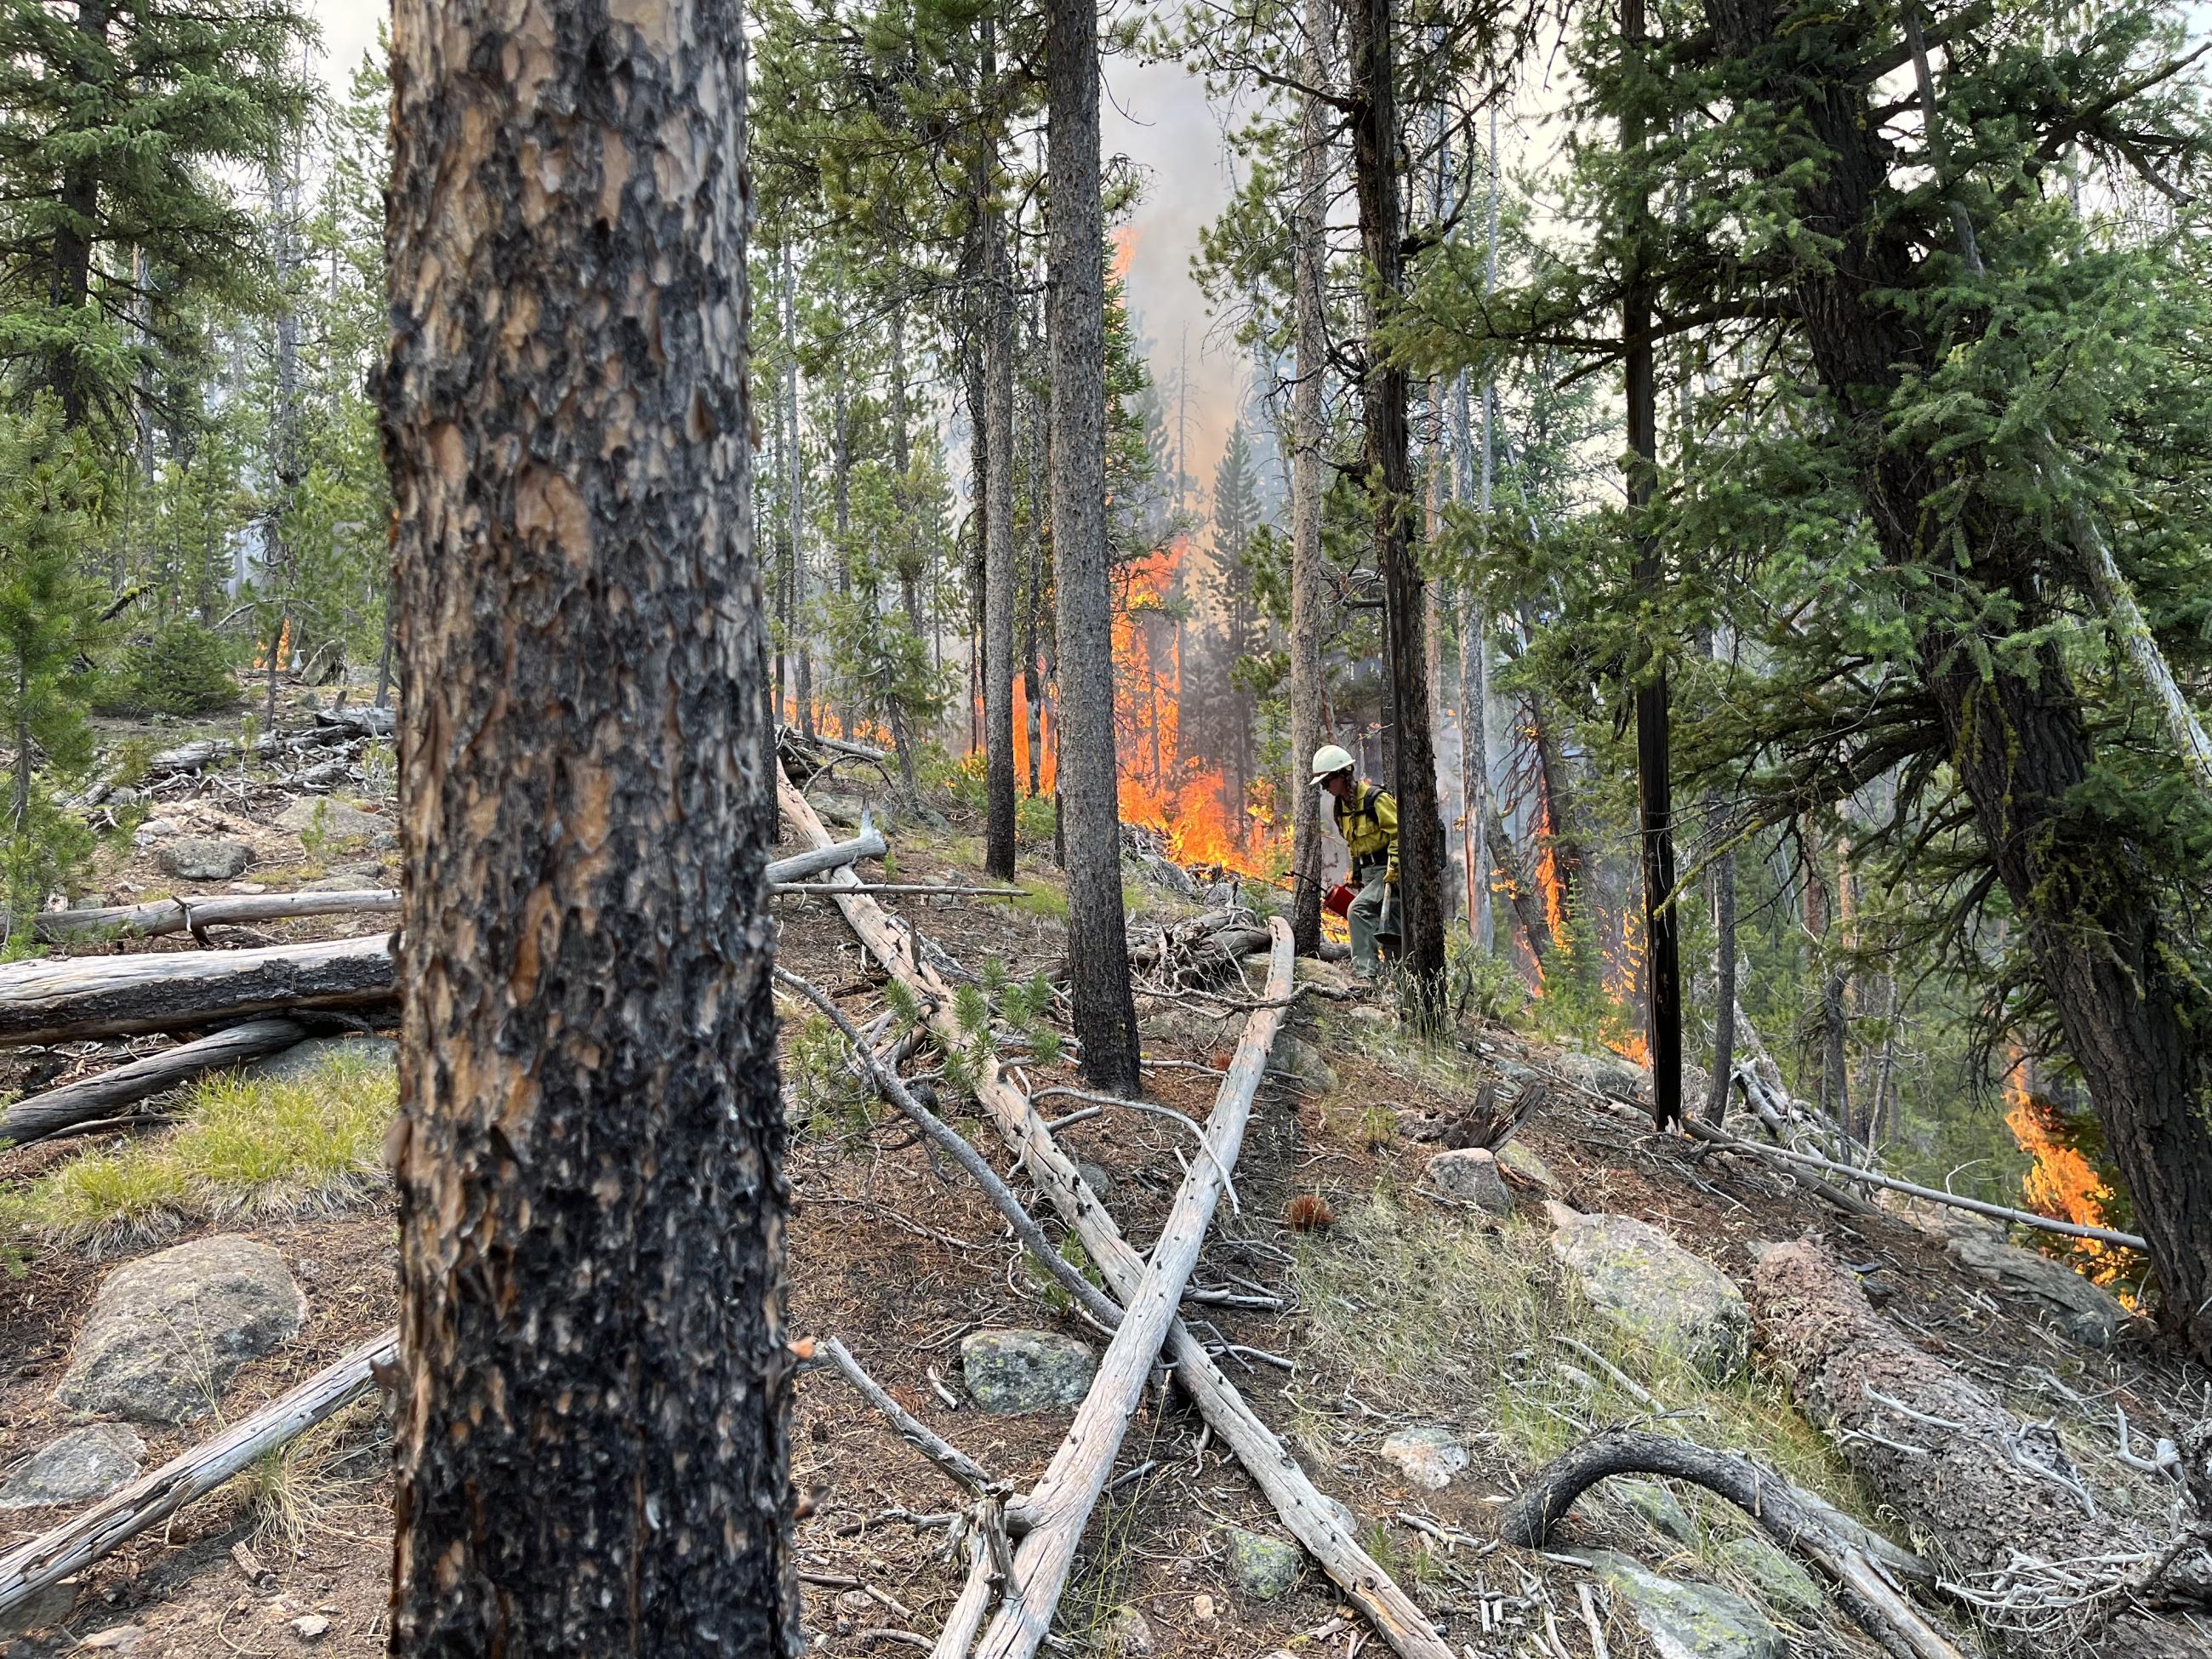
<point x="94" y="1097"/>
<point x="1880" y="1610"/>
<point x="76" y="1544"/>
<point x="1321" y="1528"/>
<point x="2015" y="1529"/>
<point x="180" y="916"/>
<point x="56" y="1001"/>
<point x="1056" y="1510"/>
<point x="868" y="844"/>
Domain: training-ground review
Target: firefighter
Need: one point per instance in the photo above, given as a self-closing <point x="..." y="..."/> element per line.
<point x="1367" y="819"/>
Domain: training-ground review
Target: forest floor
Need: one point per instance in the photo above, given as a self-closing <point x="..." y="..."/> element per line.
<point x="1404" y="1311"/>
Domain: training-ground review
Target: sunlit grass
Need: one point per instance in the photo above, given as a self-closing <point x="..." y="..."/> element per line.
<point x="242" y="1147"/>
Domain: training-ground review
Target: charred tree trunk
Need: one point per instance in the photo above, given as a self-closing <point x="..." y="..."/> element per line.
<point x="2133" y="1021"/>
<point x="795" y="601"/>
<point x="69" y="279"/>
<point x="1097" y="940"/>
<point x="999" y="586"/>
<point x="1370" y="39"/>
<point x="593" y="1377"/>
<point x="1662" y="961"/>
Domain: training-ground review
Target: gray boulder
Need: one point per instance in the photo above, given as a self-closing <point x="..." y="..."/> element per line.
<point x="1293" y="1056"/>
<point x="2082" y="1310"/>
<point x="83" y="1464"/>
<point x="1428" y="1456"/>
<point x="165" y="1333"/>
<point x="1789" y="1588"/>
<point x="1653" y="1503"/>
<point x="339" y="884"/>
<point x="1263" y="1567"/>
<point x="1524" y="1161"/>
<point x="1656" y="1290"/>
<point x="1687" y="1621"/>
<point x="1605" y="1074"/>
<point x="1025" y="1371"/>
<point x="197" y="860"/>
<point x="1126" y="1635"/>
<point x="303" y="1060"/>
<point x="1471" y="1175"/>
<point x="1095" y="1176"/>
<point x="337" y="821"/>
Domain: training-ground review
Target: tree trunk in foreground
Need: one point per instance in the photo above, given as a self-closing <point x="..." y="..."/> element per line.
<point x="590" y="1442"/>
<point x="1308" y="478"/>
<point x="2134" y="1021"/>
<point x="1091" y="818"/>
<point x="998" y="597"/>
<point x="1389" y="484"/>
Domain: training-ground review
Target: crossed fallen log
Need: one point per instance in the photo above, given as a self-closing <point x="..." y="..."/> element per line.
<point x="1318" y="1524"/>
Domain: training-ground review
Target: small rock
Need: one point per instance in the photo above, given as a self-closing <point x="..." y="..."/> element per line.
<point x="1126" y="1635"/>
<point x="338" y="883"/>
<point x="333" y="819"/>
<point x="1656" y="1289"/>
<point x="82" y="1465"/>
<point x="1652" y="1502"/>
<point x="1788" y="1588"/>
<point x="2082" y="1310"/>
<point x="1263" y="1567"/>
<point x="196" y="859"/>
<point x="1293" y="1056"/>
<point x="1095" y="1177"/>
<point x="1687" y="1621"/>
<point x="1202" y="1607"/>
<point x="1524" y="1161"/>
<point x="312" y="1628"/>
<point x="89" y="902"/>
<point x="1025" y="1371"/>
<point x="154" y="826"/>
<point x="165" y="1333"/>
<point x="249" y="887"/>
<point x="117" y="1638"/>
<point x="305" y="1060"/>
<point x="1426" y="1455"/>
<point x="1471" y="1175"/>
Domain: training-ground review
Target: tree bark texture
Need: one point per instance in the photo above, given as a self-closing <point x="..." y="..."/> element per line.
<point x="2132" y="1021"/>
<point x="1105" y="1014"/>
<point x="999" y="586"/>
<point x="593" y="1378"/>
<point x="1374" y="146"/>
<point x="1309" y="480"/>
<point x="1982" y="1488"/>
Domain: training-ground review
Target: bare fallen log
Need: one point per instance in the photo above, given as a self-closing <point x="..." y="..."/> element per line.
<point x="2016" y="1529"/>
<point x="180" y="915"/>
<point x="95" y="1098"/>
<point x="868" y="844"/>
<point x="1320" y="1526"/>
<point x="53" y="1001"/>
<point x="949" y="889"/>
<point x="1057" y="1510"/>
<point x="53" y="1556"/>
<point x="1879" y="1610"/>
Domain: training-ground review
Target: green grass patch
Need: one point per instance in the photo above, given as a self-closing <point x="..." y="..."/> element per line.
<point x="1042" y="899"/>
<point x="243" y="1148"/>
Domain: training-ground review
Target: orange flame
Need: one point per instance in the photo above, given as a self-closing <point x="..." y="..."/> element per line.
<point x="1162" y="789"/>
<point x="1623" y="981"/>
<point x="1125" y="238"/>
<point x="2061" y="1182"/>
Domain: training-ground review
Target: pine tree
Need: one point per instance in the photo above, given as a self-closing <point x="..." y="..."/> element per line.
<point x="116" y="119"/>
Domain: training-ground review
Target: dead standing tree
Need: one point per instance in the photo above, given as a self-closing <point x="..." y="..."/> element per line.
<point x="594" y="1379"/>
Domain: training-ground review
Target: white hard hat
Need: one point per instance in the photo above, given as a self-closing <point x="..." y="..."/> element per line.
<point x="1329" y="760"/>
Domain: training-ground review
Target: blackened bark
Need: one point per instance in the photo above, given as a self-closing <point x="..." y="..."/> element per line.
<point x="594" y="1383"/>
<point x="999" y="595"/>
<point x="1390" y="483"/>
<point x="1091" y="820"/>
<point x="1724" y="1067"/>
<point x="2132" y="1020"/>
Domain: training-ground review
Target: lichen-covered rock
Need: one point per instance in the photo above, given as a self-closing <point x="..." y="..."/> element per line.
<point x="1687" y="1621"/>
<point x="1428" y="1456"/>
<point x="166" y="1334"/>
<point x="197" y="860"/>
<point x="1263" y="1567"/>
<point x="1653" y="1503"/>
<point x="82" y="1465"/>
<point x="1126" y="1635"/>
<point x="1789" y="1588"/>
<point x="1293" y="1056"/>
<point x="1471" y="1176"/>
<point x="333" y="820"/>
<point x="303" y="1060"/>
<point x="1524" y="1161"/>
<point x="1656" y="1290"/>
<point x="1015" y="1370"/>
<point x="2082" y="1310"/>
